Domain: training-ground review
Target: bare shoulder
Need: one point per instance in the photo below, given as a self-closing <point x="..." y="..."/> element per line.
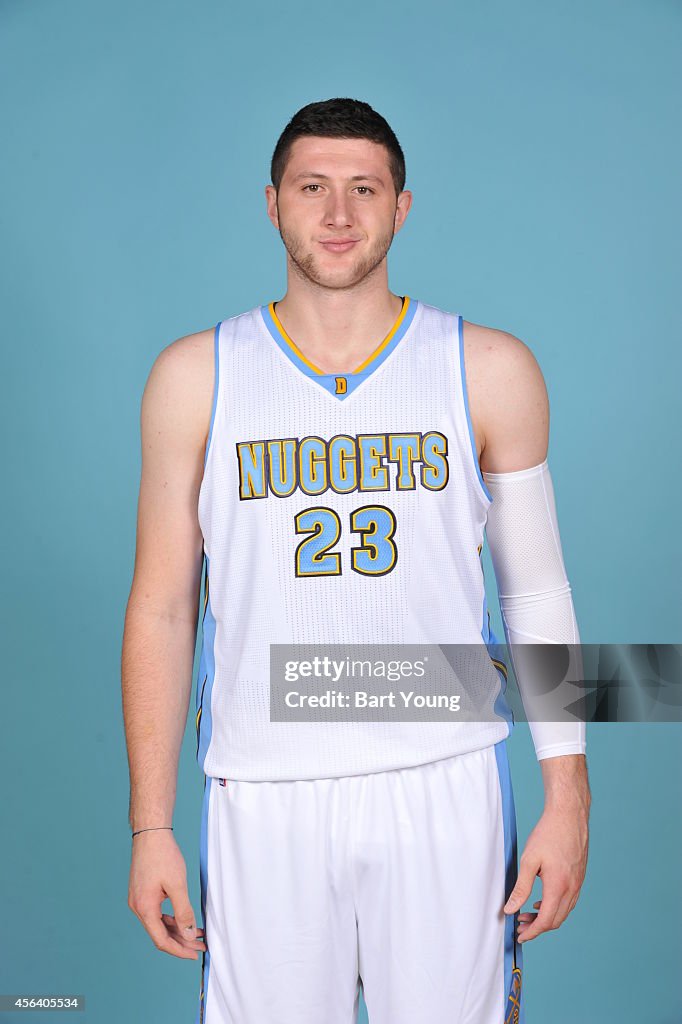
<point x="498" y="352"/>
<point x="508" y="399"/>
<point x="179" y="388"/>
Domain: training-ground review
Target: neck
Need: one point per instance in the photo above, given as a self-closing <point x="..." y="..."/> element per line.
<point x="337" y="328"/>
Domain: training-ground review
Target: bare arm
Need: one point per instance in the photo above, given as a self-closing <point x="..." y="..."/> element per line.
<point x="161" y="616"/>
<point x="510" y="415"/>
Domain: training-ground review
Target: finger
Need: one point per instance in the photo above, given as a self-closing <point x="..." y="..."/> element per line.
<point x="198" y="943"/>
<point x="170" y="920"/>
<point x="552" y="894"/>
<point x="528" y="870"/>
<point x="174" y="928"/>
<point x="160" y="936"/>
<point x="182" y="908"/>
<point x="542" y="923"/>
<point x="526" y="918"/>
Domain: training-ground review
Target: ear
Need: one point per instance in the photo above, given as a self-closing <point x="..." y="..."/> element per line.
<point x="271" y="201"/>
<point x="402" y="209"/>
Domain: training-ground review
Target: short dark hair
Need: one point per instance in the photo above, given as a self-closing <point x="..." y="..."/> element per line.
<point x="339" y="118"/>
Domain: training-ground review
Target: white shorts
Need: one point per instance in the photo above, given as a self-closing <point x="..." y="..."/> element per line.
<point x="393" y="881"/>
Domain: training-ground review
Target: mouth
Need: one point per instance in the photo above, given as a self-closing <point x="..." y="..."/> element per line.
<point x="339" y="246"/>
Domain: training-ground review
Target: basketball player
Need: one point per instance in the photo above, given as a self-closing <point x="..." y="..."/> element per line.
<point x="330" y="462"/>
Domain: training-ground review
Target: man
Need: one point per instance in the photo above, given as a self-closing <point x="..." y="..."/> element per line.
<point x="332" y="460"/>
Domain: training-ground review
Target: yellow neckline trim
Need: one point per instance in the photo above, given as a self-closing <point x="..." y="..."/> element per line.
<point x="362" y="366"/>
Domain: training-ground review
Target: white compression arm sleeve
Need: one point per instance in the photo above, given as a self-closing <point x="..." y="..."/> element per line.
<point x="535" y="595"/>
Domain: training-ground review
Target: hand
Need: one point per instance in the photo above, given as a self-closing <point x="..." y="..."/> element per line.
<point x="158" y="871"/>
<point x="556" y="851"/>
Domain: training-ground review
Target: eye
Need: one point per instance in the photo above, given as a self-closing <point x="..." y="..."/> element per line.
<point x="366" y="190"/>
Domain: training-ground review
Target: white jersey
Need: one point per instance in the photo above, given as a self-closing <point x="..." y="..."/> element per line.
<point x="335" y="509"/>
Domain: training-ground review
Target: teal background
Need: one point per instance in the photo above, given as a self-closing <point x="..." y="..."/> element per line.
<point x="543" y="151"/>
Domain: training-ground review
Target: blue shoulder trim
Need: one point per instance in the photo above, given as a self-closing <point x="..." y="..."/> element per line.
<point x="460" y="329"/>
<point x="216" y="363"/>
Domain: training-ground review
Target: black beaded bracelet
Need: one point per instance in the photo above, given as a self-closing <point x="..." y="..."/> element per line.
<point x="158" y="828"/>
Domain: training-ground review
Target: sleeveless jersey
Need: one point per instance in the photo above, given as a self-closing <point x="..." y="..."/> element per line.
<point x="337" y="508"/>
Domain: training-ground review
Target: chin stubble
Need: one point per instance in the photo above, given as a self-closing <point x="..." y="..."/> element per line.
<point x="304" y="263"/>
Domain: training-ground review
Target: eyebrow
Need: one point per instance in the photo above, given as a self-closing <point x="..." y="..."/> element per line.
<point x="325" y="177"/>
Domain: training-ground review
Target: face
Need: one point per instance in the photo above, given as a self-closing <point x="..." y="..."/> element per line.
<point x="336" y="209"/>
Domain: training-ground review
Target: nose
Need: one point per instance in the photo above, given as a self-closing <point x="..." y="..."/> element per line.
<point x="338" y="209"/>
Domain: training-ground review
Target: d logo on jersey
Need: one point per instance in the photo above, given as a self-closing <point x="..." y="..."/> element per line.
<point x="341" y="385"/>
